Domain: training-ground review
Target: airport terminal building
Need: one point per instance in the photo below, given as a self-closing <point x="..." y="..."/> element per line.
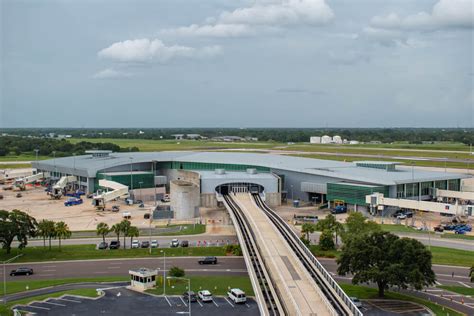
<point x="279" y="177"/>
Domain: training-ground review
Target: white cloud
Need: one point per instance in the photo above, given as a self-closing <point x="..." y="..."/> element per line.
<point x="111" y="73"/>
<point x="217" y="30"/>
<point x="445" y="13"/>
<point x="263" y="15"/>
<point x="146" y="50"/>
<point x="284" y="13"/>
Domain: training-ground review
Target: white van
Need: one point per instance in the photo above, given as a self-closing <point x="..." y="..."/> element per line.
<point x="135" y="244"/>
<point x="237" y="296"/>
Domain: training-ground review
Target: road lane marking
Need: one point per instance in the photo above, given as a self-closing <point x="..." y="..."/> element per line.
<point x="49" y="267"/>
<point x="228" y="302"/>
<point x="168" y="300"/>
<point x="52" y="270"/>
<point x="434" y="290"/>
<point x="464" y="284"/>
<point x="456" y="276"/>
<point x="113" y="267"/>
<point x="100" y="272"/>
<point x="46" y="275"/>
<point x="183" y="301"/>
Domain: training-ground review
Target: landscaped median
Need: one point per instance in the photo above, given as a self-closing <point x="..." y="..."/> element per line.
<point x="364" y="292"/>
<point x="84" y="252"/>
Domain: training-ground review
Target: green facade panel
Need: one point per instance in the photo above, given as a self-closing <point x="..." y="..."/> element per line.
<point x="146" y="179"/>
<point x="352" y="193"/>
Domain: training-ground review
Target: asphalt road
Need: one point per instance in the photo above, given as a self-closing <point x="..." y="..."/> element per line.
<point x="120" y="267"/>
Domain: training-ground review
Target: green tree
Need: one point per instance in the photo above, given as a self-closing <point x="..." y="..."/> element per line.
<point x="124" y="228"/>
<point x="471" y="273"/>
<point x="331" y="224"/>
<point x="16" y="224"/>
<point x="307" y="229"/>
<point x="386" y="260"/>
<point x="325" y="241"/>
<point x="45" y="230"/>
<point x="176" y="272"/>
<point x="357" y="224"/>
<point x="102" y="230"/>
<point x="117" y="229"/>
<point x="62" y="231"/>
<point x="133" y="232"/>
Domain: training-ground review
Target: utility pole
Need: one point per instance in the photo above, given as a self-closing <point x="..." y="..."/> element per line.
<point x="5" y="277"/>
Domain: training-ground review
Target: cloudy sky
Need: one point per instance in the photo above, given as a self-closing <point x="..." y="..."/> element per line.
<point x="237" y="63"/>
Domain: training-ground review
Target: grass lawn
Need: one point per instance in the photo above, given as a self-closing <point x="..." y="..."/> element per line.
<point x="316" y="250"/>
<point x="20" y="286"/>
<point x="15" y="166"/>
<point x="454" y="257"/>
<point x="6" y="309"/>
<point x="80" y="252"/>
<point x="457" y="236"/>
<point x="218" y="285"/>
<point x="364" y="292"/>
<point x="22" y="157"/>
<point x="458" y="289"/>
<point x="187" y="229"/>
<point x="398" y="228"/>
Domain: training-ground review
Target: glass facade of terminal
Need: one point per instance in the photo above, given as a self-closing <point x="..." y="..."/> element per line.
<point x="208" y="166"/>
<point x="352" y="193"/>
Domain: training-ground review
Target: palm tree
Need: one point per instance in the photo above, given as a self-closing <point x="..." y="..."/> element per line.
<point x="133" y="232"/>
<point x="125" y="227"/>
<point x="103" y="230"/>
<point x="62" y="231"/>
<point x="44" y="228"/>
<point x="117" y="229"/>
<point x="307" y="229"/>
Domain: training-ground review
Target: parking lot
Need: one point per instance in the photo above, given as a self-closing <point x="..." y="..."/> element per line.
<point x="122" y="301"/>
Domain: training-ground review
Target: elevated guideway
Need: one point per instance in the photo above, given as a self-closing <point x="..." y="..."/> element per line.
<point x="118" y="190"/>
<point x="300" y="287"/>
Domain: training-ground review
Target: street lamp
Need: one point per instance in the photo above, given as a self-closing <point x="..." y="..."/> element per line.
<point x="164" y="271"/>
<point x="5" y="277"/>
<point x="189" y="290"/>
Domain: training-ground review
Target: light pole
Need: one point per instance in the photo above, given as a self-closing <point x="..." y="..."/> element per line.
<point x="36" y="152"/>
<point x="154" y="198"/>
<point x="164" y="272"/>
<point x="189" y="290"/>
<point x="5" y="277"/>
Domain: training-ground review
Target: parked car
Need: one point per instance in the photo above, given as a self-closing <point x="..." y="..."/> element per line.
<point x="401" y="216"/>
<point x="154" y="244"/>
<point x="356" y="302"/>
<point x="237" y="296"/>
<point x="408" y="214"/>
<point x="135" y="244"/>
<point x="115" y="208"/>
<point x="19" y="195"/>
<point x="439" y="228"/>
<point x="103" y="245"/>
<point x="205" y="296"/>
<point x="340" y="209"/>
<point x="114" y="244"/>
<point x="73" y="201"/>
<point x="208" y="260"/>
<point x="189" y="295"/>
<point x="21" y="271"/>
<point x="165" y="198"/>
<point x="185" y="243"/>
<point x="145" y="244"/>
<point x="174" y="243"/>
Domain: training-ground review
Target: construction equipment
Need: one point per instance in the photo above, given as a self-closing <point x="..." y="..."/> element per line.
<point x="58" y="188"/>
<point x="20" y="183"/>
<point x="118" y="190"/>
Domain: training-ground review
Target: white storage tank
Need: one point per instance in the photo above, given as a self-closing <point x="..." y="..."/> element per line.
<point x="337" y="139"/>
<point x="185" y="199"/>
<point x="326" y="139"/>
<point x="315" y="140"/>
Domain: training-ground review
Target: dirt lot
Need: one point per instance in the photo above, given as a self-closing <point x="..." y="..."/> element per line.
<point x="79" y="217"/>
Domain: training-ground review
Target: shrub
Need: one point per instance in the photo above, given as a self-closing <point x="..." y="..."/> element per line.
<point x="176" y="272"/>
<point x="325" y="241"/>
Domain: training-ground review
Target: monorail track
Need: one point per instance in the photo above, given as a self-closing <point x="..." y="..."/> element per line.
<point x="333" y="293"/>
<point x="269" y="295"/>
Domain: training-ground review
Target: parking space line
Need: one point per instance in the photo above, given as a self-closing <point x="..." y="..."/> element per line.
<point x="438" y="283"/>
<point x="247" y="305"/>
<point x="464" y="284"/>
<point x="57" y="304"/>
<point x="168" y="300"/>
<point x="228" y="302"/>
<point x="40" y="307"/>
<point x="68" y="300"/>
<point x="217" y="305"/>
<point x="199" y="303"/>
<point x="183" y="301"/>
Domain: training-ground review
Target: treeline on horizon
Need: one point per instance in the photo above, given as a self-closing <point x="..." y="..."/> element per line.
<point x="51" y="147"/>
<point x="384" y="135"/>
